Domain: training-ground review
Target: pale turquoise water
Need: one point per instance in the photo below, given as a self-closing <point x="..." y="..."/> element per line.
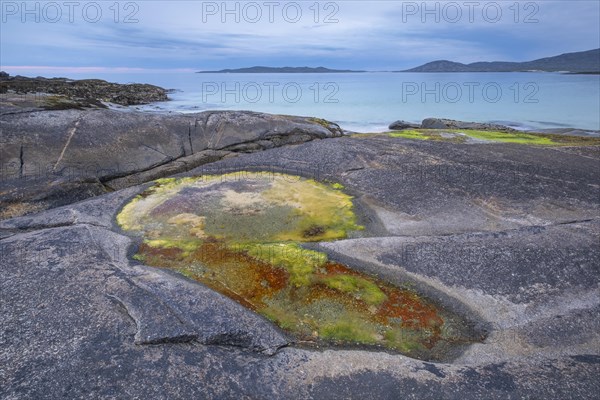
<point x="370" y="101"/>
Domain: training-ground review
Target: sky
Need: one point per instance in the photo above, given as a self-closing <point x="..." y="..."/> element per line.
<point x="57" y="37"/>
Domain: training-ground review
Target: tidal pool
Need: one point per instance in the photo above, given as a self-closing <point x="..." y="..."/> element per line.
<point x="241" y="235"/>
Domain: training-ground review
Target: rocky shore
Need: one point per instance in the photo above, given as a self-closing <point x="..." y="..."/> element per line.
<point x="442" y="123"/>
<point x="498" y="228"/>
<point x="69" y="93"/>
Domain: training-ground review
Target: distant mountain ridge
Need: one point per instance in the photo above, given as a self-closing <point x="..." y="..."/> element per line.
<point x="579" y="62"/>
<point x="284" y="70"/>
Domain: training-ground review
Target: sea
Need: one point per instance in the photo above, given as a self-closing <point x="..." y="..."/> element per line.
<point x="370" y="101"/>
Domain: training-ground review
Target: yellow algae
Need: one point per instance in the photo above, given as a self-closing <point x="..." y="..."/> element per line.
<point x="186" y="246"/>
<point x="331" y="210"/>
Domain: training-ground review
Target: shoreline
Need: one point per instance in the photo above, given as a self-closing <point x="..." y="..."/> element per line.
<point x="65" y="93"/>
<point x="370" y="127"/>
<point x="37" y="100"/>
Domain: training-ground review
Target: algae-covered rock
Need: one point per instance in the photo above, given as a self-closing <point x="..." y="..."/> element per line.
<point x="240" y="234"/>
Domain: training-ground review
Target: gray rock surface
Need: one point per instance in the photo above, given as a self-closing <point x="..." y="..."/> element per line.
<point x="398" y="125"/>
<point x="504" y="234"/>
<point x="52" y="158"/>
<point x="441" y="123"/>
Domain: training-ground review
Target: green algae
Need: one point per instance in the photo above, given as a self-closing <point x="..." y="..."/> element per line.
<point x="298" y="262"/>
<point x="463" y="135"/>
<point x="412" y="134"/>
<point x="241" y="235"/>
<point x="349" y="330"/>
<point x="358" y="287"/>
<point x="508" y="137"/>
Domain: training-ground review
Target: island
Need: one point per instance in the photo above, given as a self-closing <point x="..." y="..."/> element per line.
<point x="279" y="70"/>
<point x="583" y="62"/>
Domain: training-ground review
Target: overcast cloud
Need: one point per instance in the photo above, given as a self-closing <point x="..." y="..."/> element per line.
<point x="371" y="35"/>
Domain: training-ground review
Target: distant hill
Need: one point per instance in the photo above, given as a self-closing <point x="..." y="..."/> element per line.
<point x="284" y="70"/>
<point x="580" y="62"/>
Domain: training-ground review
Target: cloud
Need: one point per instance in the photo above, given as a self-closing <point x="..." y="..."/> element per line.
<point x="81" y="70"/>
<point x="367" y="35"/>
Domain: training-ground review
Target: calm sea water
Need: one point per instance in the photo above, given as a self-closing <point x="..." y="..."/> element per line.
<point x="371" y="101"/>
